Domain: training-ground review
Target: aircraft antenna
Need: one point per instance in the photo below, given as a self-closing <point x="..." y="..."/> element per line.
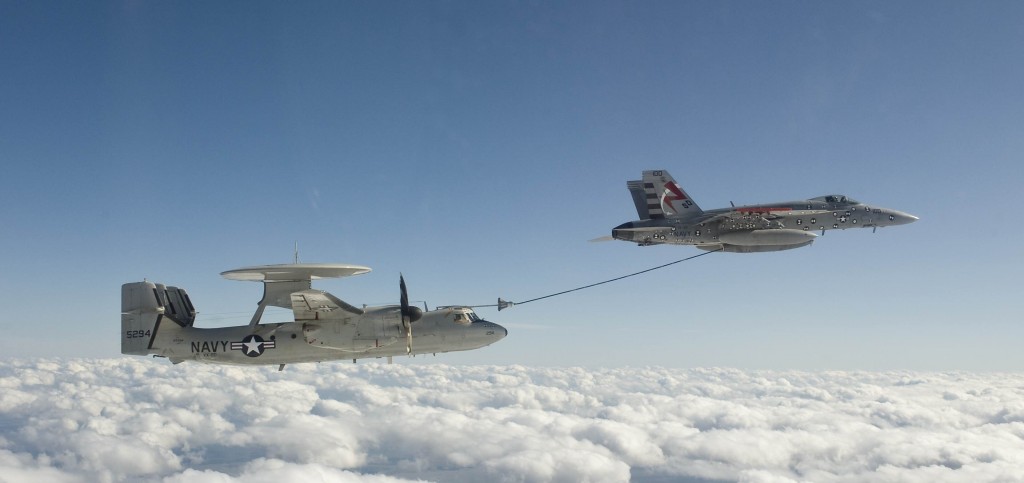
<point x="296" y="253"/>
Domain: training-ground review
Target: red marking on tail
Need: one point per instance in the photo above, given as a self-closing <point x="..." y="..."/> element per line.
<point x="675" y="195"/>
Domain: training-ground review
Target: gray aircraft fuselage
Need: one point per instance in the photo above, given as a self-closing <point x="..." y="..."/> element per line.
<point x="371" y="335"/>
<point x="760" y="228"/>
<point x="159" y="320"/>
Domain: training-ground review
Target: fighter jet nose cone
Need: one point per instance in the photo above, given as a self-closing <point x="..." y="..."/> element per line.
<point x="905" y="218"/>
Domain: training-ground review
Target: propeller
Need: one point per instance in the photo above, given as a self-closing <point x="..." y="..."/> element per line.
<point x="410" y="314"/>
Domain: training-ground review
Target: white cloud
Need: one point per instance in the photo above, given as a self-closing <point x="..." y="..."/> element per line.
<point x="138" y="419"/>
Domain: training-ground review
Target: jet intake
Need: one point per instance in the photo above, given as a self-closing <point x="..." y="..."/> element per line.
<point x="753" y="238"/>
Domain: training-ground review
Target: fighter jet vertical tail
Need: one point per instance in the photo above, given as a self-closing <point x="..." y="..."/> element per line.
<point x="666" y="198"/>
<point x="636" y="188"/>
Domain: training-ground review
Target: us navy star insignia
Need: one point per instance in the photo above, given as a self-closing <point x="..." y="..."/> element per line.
<point x="253" y="345"/>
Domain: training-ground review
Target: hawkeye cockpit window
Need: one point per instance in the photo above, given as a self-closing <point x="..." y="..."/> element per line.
<point x="465" y="316"/>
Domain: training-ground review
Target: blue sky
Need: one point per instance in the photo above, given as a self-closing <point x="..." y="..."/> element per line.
<point x="477" y="146"/>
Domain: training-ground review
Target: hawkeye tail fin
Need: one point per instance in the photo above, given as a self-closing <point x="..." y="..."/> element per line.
<point x="144" y="306"/>
<point x="666" y="198"/>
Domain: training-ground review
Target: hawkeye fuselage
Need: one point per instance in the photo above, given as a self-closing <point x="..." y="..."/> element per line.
<point x="159" y="320"/>
<point x="376" y="333"/>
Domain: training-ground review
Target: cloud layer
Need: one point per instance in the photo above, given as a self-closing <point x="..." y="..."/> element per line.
<point x="133" y="419"/>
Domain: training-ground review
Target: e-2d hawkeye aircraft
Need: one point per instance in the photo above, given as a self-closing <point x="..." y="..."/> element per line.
<point x="158" y="320"/>
<point x="669" y="216"/>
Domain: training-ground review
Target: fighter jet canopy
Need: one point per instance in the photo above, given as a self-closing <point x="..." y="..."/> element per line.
<point x="841" y="199"/>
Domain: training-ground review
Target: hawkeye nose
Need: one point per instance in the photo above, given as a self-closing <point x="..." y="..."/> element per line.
<point x="489" y="332"/>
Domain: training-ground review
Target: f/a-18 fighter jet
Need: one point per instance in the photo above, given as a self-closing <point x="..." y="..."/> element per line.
<point x="669" y="216"/>
<point x="158" y="320"/>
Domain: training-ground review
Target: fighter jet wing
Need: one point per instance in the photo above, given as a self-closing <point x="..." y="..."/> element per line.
<point x="711" y="218"/>
<point x="717" y="217"/>
<point x="751" y="215"/>
<point x="317" y="304"/>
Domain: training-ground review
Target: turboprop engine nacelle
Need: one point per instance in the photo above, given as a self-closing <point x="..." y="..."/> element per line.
<point x="767" y="237"/>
